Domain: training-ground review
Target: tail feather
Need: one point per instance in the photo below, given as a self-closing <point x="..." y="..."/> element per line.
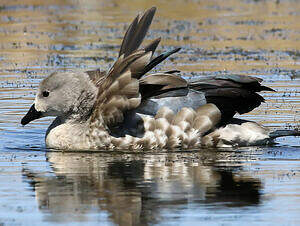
<point x="265" y="88"/>
<point x="284" y="133"/>
<point x="231" y="93"/>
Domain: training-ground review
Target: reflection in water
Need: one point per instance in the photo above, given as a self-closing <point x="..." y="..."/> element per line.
<point x="135" y="188"/>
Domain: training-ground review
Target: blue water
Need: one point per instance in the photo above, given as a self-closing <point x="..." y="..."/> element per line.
<point x="255" y="185"/>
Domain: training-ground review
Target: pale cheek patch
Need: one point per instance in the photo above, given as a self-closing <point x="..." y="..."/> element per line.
<point x="39" y="105"/>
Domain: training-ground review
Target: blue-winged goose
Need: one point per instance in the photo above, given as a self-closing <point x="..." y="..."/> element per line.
<point x="129" y="108"/>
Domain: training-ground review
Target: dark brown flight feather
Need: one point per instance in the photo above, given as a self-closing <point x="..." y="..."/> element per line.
<point x="136" y="32"/>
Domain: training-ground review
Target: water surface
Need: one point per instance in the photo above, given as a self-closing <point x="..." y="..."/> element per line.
<point x="258" y="185"/>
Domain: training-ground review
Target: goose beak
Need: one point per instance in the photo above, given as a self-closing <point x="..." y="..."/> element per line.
<point x="31" y="115"/>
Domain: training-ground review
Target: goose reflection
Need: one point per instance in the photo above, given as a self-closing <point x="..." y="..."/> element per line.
<point x="133" y="189"/>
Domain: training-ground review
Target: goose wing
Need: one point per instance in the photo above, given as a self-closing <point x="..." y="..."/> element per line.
<point x="120" y="88"/>
<point x="231" y="93"/>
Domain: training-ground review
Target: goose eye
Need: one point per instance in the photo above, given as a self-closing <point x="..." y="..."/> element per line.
<point x="45" y="93"/>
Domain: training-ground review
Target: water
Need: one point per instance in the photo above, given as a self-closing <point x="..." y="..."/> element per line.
<point x="257" y="185"/>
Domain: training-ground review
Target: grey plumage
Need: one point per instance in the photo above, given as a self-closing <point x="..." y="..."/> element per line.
<point x="127" y="108"/>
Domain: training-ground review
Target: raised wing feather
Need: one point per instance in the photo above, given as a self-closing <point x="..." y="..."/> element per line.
<point x="136" y="32"/>
<point x="119" y="89"/>
<point x="118" y="92"/>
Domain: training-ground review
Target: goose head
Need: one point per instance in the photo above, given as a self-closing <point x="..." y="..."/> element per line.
<point x="68" y="95"/>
